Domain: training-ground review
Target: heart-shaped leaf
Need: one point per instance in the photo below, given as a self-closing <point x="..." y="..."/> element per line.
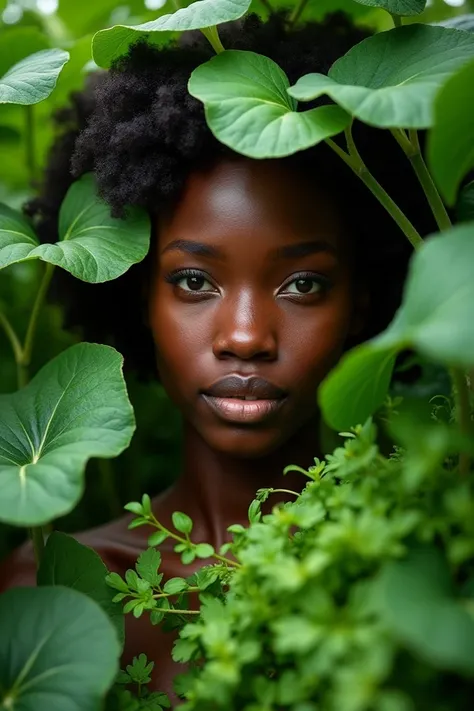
<point x="417" y="603"/>
<point x="93" y="246"/>
<point x="404" y="8"/>
<point x="451" y="142"/>
<point x="58" y="651"/>
<point x="109" y="44"/>
<point x="75" y="408"/>
<point x="32" y="79"/>
<point x="435" y="319"/>
<point x="248" y="108"/>
<point x="67" y="562"/>
<point x="391" y="79"/>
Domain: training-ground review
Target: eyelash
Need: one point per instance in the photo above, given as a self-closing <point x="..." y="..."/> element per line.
<point x="178" y="275"/>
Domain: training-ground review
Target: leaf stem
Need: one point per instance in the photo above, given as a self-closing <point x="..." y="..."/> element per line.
<point x="37" y="537"/>
<point x="411" y="147"/>
<point x="30" y="143"/>
<point x="357" y="165"/>
<point x="397" y="20"/>
<point x="14" y="341"/>
<point x="284" y="491"/>
<point x="176" y="612"/>
<point x="212" y="35"/>
<point x="296" y="14"/>
<point x="461" y="392"/>
<point x="33" y="323"/>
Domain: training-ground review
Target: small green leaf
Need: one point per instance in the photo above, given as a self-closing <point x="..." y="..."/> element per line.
<point x="93" y="246"/>
<point x="465" y="203"/>
<point x="58" y="650"/>
<point x="75" y="408"/>
<point x="67" y="562"/>
<point x="156" y="539"/>
<point x="116" y="582"/>
<point x="148" y="565"/>
<point x="188" y="556"/>
<point x="391" y="79"/>
<point x="417" y="603"/>
<point x="254" y="512"/>
<point x="404" y="8"/>
<point x="198" y="15"/>
<point x="204" y="550"/>
<point x="32" y="79"/>
<point x="175" y="585"/>
<point x="183" y="650"/>
<point x="451" y="142"/>
<point x="182" y="522"/>
<point x="134" y="507"/>
<point x="248" y="108"/>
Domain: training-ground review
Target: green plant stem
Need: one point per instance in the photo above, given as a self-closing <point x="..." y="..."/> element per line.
<point x="33" y="323"/>
<point x="163" y="594"/>
<point x="212" y="36"/>
<point x="357" y="165"/>
<point x="176" y="612"/>
<point x="154" y="521"/>
<point x="411" y="147"/>
<point x="14" y="341"/>
<point x="284" y="491"/>
<point x="30" y="143"/>
<point x="397" y="20"/>
<point x="37" y="537"/>
<point x="463" y="414"/>
<point x="296" y="14"/>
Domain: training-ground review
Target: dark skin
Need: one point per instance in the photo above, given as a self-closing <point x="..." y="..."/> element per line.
<point x="253" y="280"/>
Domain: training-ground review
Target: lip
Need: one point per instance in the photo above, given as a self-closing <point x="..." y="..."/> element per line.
<point x="241" y="411"/>
<point x="227" y="398"/>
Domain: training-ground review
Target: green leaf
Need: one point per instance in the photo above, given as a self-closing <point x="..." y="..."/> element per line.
<point x="147" y="566"/>
<point x="58" y="650"/>
<point x="93" y="246"/>
<point x="175" y="585"/>
<point x="75" y="408"/>
<point x="418" y="605"/>
<point x="156" y="539"/>
<point x="111" y="43"/>
<point x="67" y="562"/>
<point x="465" y="203"/>
<point x="182" y="522"/>
<point x="460" y="22"/>
<point x="248" y="108"/>
<point x="32" y="79"/>
<point x="18" y="43"/>
<point x="204" y="550"/>
<point x="435" y="319"/>
<point x="404" y="8"/>
<point x="451" y="142"/>
<point x="391" y="79"/>
<point x="357" y="386"/>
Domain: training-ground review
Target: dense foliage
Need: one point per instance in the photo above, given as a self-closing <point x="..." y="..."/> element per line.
<point x="359" y="594"/>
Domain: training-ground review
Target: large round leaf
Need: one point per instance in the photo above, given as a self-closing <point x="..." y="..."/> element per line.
<point x="58" y="651"/>
<point x="32" y="79"/>
<point x="391" y="79"/>
<point x="451" y="142"/>
<point x="93" y="246"/>
<point x="417" y="604"/>
<point x="67" y="562"/>
<point x="75" y="408"/>
<point x="435" y="319"/>
<point x="111" y="43"/>
<point x="248" y="108"/>
<point x="397" y="7"/>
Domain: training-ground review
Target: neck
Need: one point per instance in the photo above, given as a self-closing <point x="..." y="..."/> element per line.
<point x="216" y="489"/>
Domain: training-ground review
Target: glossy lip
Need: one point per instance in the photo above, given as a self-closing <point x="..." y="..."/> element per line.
<point x="243" y="411"/>
<point x="226" y="397"/>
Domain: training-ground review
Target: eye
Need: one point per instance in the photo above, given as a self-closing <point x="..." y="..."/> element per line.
<point x="190" y="281"/>
<point x="305" y="285"/>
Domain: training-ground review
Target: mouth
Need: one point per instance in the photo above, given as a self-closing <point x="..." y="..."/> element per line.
<point x="241" y="400"/>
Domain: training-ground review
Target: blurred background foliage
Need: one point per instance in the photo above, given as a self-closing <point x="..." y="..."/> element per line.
<point x="27" y="26"/>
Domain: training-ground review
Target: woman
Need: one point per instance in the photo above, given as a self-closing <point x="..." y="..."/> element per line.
<point x="261" y="273"/>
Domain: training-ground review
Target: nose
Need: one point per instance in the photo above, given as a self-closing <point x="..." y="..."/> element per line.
<point x="245" y="329"/>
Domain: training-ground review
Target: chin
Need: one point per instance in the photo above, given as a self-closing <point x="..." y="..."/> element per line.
<point x="240" y="443"/>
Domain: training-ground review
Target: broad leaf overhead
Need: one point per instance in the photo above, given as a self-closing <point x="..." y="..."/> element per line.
<point x="58" y="651"/>
<point x="397" y="7"/>
<point x="435" y="319"/>
<point x="75" y="408"/>
<point x="248" y="108"/>
<point x="32" y="79"/>
<point x="111" y="43"/>
<point x="93" y="246"/>
<point x="391" y="79"/>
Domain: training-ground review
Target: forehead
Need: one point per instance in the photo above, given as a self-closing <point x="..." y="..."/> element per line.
<point x="247" y="204"/>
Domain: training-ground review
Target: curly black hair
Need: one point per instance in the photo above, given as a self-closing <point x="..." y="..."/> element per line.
<point x="141" y="133"/>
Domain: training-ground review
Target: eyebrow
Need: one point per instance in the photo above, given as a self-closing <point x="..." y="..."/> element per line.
<point x="304" y="249"/>
<point x="190" y="247"/>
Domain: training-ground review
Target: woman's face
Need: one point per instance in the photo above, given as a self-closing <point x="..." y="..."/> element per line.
<point x="252" y="303"/>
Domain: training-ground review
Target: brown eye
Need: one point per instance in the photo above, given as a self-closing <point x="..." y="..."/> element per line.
<point x="304" y="286"/>
<point x="196" y="283"/>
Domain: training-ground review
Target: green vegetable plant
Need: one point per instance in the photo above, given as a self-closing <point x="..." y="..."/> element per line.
<point x="359" y="594"/>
